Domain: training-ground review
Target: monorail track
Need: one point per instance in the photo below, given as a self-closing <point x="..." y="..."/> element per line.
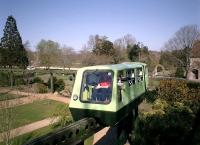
<point x="73" y="134"/>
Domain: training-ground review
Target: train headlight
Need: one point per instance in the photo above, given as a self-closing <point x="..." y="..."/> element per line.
<point x="75" y="97"/>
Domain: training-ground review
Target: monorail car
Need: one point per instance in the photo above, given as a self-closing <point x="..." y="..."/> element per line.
<point x="108" y="92"/>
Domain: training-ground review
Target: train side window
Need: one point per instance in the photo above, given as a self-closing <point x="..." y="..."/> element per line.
<point x="139" y="74"/>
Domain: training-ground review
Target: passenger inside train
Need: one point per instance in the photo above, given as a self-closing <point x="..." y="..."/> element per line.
<point x="97" y="87"/>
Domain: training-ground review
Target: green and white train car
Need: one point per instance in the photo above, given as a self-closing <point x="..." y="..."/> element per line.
<point x="108" y="92"/>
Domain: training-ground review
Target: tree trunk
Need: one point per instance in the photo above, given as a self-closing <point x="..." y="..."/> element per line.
<point x="11" y="78"/>
<point x="51" y="82"/>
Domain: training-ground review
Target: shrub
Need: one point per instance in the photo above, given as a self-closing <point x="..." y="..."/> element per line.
<point x="193" y="85"/>
<point x="59" y="84"/>
<point x="196" y="137"/>
<point x="179" y="72"/>
<point x="37" y="80"/>
<point x="40" y="88"/>
<point x="181" y="91"/>
<point x="173" y="90"/>
<point x="174" y="116"/>
<point x="19" y="81"/>
<point x="165" y="124"/>
<point x="4" y="79"/>
<point x="64" y="116"/>
<point x="71" y="78"/>
<point x="151" y="95"/>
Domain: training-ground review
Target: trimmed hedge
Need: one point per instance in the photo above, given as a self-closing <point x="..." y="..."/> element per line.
<point x="59" y="84"/>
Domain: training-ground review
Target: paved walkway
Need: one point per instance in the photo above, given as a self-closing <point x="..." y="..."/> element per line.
<point x="29" y="128"/>
<point x="100" y="135"/>
<point x="106" y="136"/>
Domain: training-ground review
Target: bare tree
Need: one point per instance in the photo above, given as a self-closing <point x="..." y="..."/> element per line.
<point x="31" y="54"/>
<point x="125" y="41"/>
<point x="88" y="58"/>
<point x="196" y="49"/>
<point x="67" y="56"/>
<point x="181" y="44"/>
<point x="121" y="46"/>
<point x="48" y="53"/>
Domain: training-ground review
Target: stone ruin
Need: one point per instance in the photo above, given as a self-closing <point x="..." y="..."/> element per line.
<point x="194" y="71"/>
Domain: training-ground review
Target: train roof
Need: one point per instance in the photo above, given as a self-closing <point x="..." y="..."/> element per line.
<point x="124" y="65"/>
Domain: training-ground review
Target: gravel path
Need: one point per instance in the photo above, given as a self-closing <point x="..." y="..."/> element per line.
<point x="31" y="97"/>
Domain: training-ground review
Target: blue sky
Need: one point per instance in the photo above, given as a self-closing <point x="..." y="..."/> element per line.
<point x="70" y="22"/>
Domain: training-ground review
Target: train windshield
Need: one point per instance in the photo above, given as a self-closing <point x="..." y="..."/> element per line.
<point x="97" y="86"/>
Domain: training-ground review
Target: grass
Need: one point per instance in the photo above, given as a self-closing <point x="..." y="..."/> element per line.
<point x="29" y="136"/>
<point x="35" y="111"/>
<point x="19" y="140"/>
<point x="89" y="140"/>
<point x="7" y="96"/>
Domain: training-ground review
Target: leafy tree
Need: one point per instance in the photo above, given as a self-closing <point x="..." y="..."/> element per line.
<point x="98" y="49"/>
<point x="13" y="52"/>
<point x="1" y="55"/>
<point x="133" y="52"/>
<point x="103" y="46"/>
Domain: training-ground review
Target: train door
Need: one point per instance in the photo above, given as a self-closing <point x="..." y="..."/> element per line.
<point x="139" y="81"/>
<point x="126" y="80"/>
<point x="121" y="78"/>
<point x="133" y="84"/>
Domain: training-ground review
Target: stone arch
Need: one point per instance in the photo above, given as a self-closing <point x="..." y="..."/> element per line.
<point x="158" y="69"/>
<point x="194" y="74"/>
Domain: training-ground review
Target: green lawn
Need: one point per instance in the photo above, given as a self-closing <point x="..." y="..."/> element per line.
<point x="29" y="136"/>
<point x="29" y="113"/>
<point x="37" y="133"/>
<point x="89" y="140"/>
<point x="7" y="96"/>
